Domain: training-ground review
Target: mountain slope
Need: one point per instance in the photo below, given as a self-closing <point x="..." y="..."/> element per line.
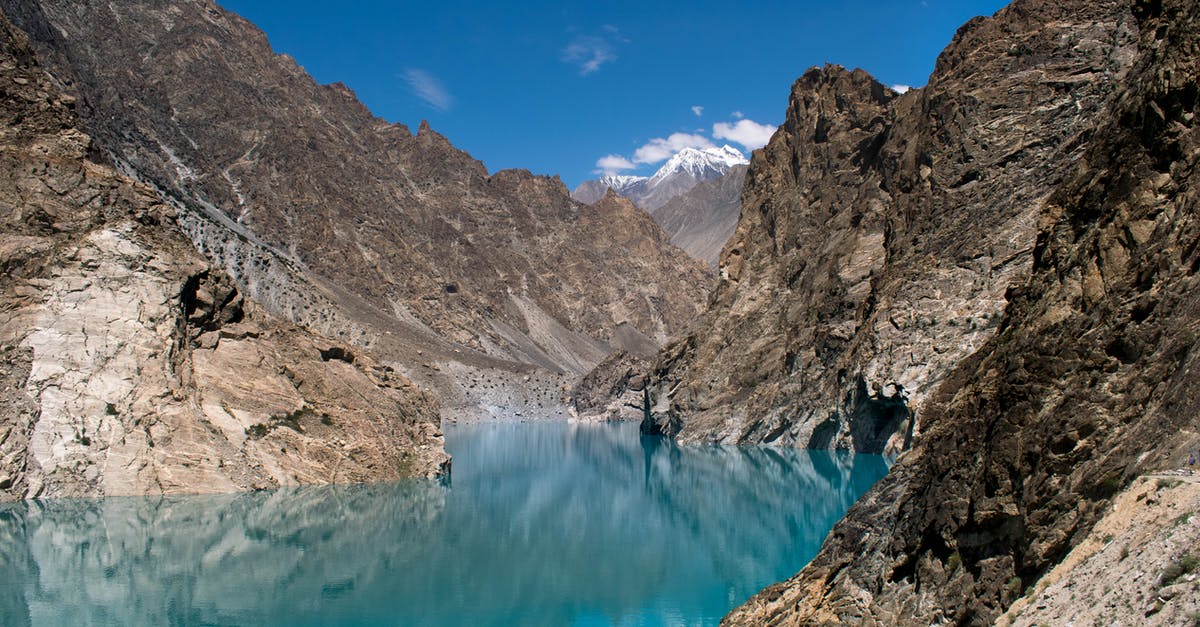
<point x="1089" y="382"/>
<point x="879" y="233"/>
<point x="396" y="242"/>
<point x="130" y="366"/>
<point x="701" y="220"/>
<point x="679" y="174"/>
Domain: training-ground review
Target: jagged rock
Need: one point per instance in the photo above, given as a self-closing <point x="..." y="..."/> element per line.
<point x="613" y="390"/>
<point x="1089" y="381"/>
<point x="880" y="231"/>
<point x="347" y="224"/>
<point x="130" y="366"/>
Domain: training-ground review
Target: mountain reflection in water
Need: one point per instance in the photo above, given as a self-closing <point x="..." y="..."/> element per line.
<point x="542" y="524"/>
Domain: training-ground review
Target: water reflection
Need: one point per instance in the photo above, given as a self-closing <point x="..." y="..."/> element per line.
<point x="547" y="524"/>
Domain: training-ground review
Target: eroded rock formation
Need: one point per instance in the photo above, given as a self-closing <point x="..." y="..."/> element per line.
<point x="128" y="365"/>
<point x="879" y="233"/>
<point x="396" y="242"/>
<point x="1089" y="381"/>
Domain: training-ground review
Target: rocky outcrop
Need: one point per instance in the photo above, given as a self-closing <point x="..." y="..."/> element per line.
<point x="395" y="242"/>
<point x="1136" y="567"/>
<point x="613" y="390"/>
<point x="701" y="220"/>
<point x="1089" y="381"/>
<point x="879" y="233"/>
<point x="129" y="366"/>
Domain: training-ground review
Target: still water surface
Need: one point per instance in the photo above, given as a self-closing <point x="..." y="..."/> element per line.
<point x="542" y="524"/>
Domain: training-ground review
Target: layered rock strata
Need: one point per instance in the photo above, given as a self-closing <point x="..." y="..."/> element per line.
<point x="128" y="365"/>
<point x="879" y="233"/>
<point x="1089" y="382"/>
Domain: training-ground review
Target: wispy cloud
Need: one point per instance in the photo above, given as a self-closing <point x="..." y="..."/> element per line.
<point x="429" y="89"/>
<point x="589" y="53"/>
<point x="901" y="89"/>
<point x="613" y="164"/>
<point x="748" y="133"/>
<point x="737" y="115"/>
<point x="659" y="149"/>
<point x="698" y="110"/>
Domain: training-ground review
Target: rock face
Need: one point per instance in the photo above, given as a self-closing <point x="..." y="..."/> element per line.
<point x="395" y="242"/>
<point x="613" y="390"/>
<point x="879" y="233"/>
<point x="1089" y="381"/>
<point x="701" y="220"/>
<point x="129" y="366"/>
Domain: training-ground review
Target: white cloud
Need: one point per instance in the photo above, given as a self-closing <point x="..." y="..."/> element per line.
<point x="589" y="53"/>
<point x="698" y="110"/>
<point x="429" y="89"/>
<point x="737" y="115"/>
<point x="748" y="133"/>
<point x="659" y="149"/>
<point x="901" y="89"/>
<point x="613" y="164"/>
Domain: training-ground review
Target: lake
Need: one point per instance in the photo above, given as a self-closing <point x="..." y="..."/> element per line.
<point x="542" y="523"/>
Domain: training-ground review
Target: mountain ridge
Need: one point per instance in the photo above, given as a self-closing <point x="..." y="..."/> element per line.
<point x="416" y="253"/>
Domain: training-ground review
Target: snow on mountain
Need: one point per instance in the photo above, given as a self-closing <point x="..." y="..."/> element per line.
<point x="679" y="174"/>
<point x="702" y="164"/>
<point x="620" y="182"/>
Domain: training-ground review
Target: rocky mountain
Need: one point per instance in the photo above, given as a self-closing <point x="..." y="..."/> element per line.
<point x="593" y="190"/>
<point x="683" y="171"/>
<point x="130" y="365"/>
<point x="492" y="289"/>
<point x="701" y="220"/>
<point x="1088" y="382"/>
<point x="880" y="232"/>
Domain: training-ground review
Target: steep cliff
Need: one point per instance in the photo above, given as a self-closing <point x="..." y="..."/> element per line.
<point x="344" y="223"/>
<point x="129" y="366"/>
<point x="879" y="232"/>
<point x="1089" y="382"/>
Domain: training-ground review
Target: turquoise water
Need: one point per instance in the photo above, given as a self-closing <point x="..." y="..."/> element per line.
<point x="542" y="524"/>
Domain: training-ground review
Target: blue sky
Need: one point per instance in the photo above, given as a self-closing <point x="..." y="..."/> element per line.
<point x="558" y="87"/>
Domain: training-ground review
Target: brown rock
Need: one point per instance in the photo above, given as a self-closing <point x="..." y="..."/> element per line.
<point x="879" y="232"/>
<point x="1027" y="442"/>
<point x="129" y="366"/>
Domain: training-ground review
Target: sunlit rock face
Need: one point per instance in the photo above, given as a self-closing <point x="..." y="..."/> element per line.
<point x="1088" y="382"/>
<point x="879" y="233"/>
<point x="129" y="365"/>
<point x="395" y="242"/>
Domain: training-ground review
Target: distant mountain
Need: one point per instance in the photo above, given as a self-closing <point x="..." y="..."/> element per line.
<point x="592" y="191"/>
<point x="701" y="219"/>
<point x="679" y="174"/>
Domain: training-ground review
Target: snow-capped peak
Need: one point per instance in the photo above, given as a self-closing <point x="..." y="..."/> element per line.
<point x="701" y="163"/>
<point x="620" y="182"/>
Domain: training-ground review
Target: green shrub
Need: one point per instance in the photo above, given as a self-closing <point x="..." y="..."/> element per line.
<point x="1178" y="568"/>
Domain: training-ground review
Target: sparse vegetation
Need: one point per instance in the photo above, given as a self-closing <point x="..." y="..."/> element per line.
<point x="1165" y="483"/>
<point x="1014" y="587"/>
<point x="110" y="409"/>
<point x="954" y="561"/>
<point x="1178" y="568"/>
